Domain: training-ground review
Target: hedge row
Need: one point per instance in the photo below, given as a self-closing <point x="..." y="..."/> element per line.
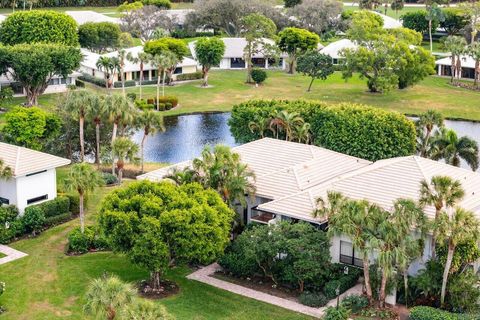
<point x="96" y="81"/>
<point x="429" y="313"/>
<point x="63" y="3"/>
<point x="79" y="242"/>
<point x="55" y="207"/>
<point x="190" y="76"/>
<point x="128" y="83"/>
<point x="358" y="130"/>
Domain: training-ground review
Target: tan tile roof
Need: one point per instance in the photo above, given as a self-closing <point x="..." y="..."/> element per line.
<point x="24" y="161"/>
<point x="382" y="183"/>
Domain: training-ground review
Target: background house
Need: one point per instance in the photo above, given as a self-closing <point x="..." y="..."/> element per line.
<point x="84" y="16"/>
<point x="444" y="67"/>
<point x="34" y="176"/>
<point x="335" y="48"/>
<point x="234" y="56"/>
<point x="56" y="85"/>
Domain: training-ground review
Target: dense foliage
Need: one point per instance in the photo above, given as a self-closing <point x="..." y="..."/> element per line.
<point x="79" y="242"/>
<point x="357" y="130"/>
<point x="99" y="36"/>
<point x="39" y="26"/>
<point x="429" y="313"/>
<point x="417" y="20"/>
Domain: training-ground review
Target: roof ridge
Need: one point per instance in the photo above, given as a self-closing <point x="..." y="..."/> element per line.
<point x="17" y="160"/>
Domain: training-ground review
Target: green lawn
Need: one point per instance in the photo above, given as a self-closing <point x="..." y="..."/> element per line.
<point x="50" y="285"/>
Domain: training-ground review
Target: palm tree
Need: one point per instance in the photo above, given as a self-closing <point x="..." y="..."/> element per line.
<point x="107" y="296"/>
<point x="354" y="219"/>
<point x="474" y="53"/>
<point x="143" y="309"/>
<point x="97" y="112"/>
<point x="459" y="227"/>
<point x="78" y="103"/>
<point x="456" y="45"/>
<point x="124" y="150"/>
<point x="122" y="55"/>
<point x="150" y="121"/>
<point x="260" y="124"/>
<point x="82" y="178"/>
<point x="425" y="124"/>
<point x="163" y="62"/>
<point x="120" y="111"/>
<point x="290" y="121"/>
<point x="5" y="171"/>
<point x="105" y="64"/>
<point x="141" y="58"/>
<point x="447" y="146"/>
<point x="433" y="13"/>
<point x="442" y="192"/>
<point x="303" y="133"/>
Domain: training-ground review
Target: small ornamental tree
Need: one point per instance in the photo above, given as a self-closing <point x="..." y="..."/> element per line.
<point x="316" y="65"/>
<point x="295" y="42"/>
<point x="39" y="26"/>
<point x="176" y="223"/>
<point x="175" y="46"/>
<point x="209" y="53"/>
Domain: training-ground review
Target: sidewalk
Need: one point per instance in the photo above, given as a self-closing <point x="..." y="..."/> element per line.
<point x="11" y="254"/>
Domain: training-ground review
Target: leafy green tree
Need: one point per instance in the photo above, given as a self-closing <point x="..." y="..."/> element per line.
<point x="315" y="15"/>
<point x="107" y="296"/>
<point x="149" y="121"/>
<point x="414" y="65"/>
<point x="472" y="9"/>
<point x="82" y="178"/>
<point x="425" y="125"/>
<point x="397" y="5"/>
<point x="434" y="13"/>
<point x="295" y="42"/>
<point x="449" y="147"/>
<point x="99" y="36"/>
<point x="457" y="46"/>
<point x="161" y="4"/>
<point x="443" y="193"/>
<point x="474" y="53"/>
<point x="78" y="103"/>
<point x="209" y="52"/>
<point x="454" y="20"/>
<point x="315" y="65"/>
<point x="255" y="28"/>
<point x="417" y="20"/>
<point x="5" y="171"/>
<point x="124" y="150"/>
<point x="461" y="226"/>
<point x="193" y="223"/>
<point x="39" y="26"/>
<point x="176" y="46"/>
<point x="30" y="127"/>
<point x="365" y="26"/>
<point x="23" y="62"/>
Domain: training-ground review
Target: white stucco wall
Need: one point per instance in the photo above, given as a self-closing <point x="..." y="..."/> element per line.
<point x="8" y="190"/>
<point x="35" y="186"/>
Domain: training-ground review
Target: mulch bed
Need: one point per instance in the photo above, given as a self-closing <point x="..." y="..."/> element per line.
<point x="168" y="288"/>
<point x="259" y="284"/>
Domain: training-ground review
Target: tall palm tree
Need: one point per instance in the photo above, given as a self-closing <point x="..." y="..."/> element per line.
<point x="122" y="56"/>
<point x="459" y="227"/>
<point x="163" y="61"/>
<point x="447" y="146"/>
<point x="456" y="45"/>
<point x="105" y="64"/>
<point x="82" y="178"/>
<point x="474" y="53"/>
<point x="441" y="192"/>
<point x="434" y="13"/>
<point x="141" y="58"/>
<point x="78" y="103"/>
<point x="5" y="171"/>
<point x="150" y="122"/>
<point x="97" y="113"/>
<point x="107" y="296"/>
<point x="354" y="219"/>
<point x="290" y="120"/>
<point x="120" y="111"/>
<point x="124" y="150"/>
<point x="260" y="124"/>
<point x="303" y="133"/>
<point x="425" y="125"/>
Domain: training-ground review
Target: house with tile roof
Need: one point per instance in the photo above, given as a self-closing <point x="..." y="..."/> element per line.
<point x="34" y="177"/>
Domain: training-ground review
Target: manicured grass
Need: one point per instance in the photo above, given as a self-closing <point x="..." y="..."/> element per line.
<point x="47" y="284"/>
<point x="2" y="255"/>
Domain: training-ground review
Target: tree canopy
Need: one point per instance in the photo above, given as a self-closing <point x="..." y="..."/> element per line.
<point x="209" y="52"/>
<point x="315" y="65"/>
<point x="176" y="46"/>
<point x="99" y="36"/>
<point x="295" y="42"/>
<point x="39" y="26"/>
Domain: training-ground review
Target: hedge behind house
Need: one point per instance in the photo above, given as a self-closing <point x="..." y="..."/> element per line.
<point x="429" y="313"/>
<point x="358" y="130"/>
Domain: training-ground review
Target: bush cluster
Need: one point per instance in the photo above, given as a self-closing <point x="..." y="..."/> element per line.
<point x="96" y="81"/>
<point x="164" y="103"/>
<point x="109" y="178"/>
<point x="142" y="104"/>
<point x="333" y="313"/>
<point x="161" y="4"/>
<point x="128" y="83"/>
<point x="343" y="283"/>
<point x="190" y="76"/>
<point x="429" y="313"/>
<point x="64" y="3"/>
<point x="181" y="33"/>
<point x="357" y="130"/>
<point x="313" y="299"/>
<point x="259" y="75"/>
<point x="55" y="207"/>
<point x="79" y="242"/>
<point x="355" y="303"/>
<point x="10" y="225"/>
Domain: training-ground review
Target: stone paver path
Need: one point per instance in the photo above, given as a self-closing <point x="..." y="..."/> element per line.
<point x="357" y="289"/>
<point x="203" y="275"/>
<point x="11" y="254"/>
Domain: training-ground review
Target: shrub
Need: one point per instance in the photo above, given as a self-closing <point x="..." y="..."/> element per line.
<point x="75" y="202"/>
<point x="143" y="105"/>
<point x="417" y="20"/>
<point x="429" y="313"/>
<point x="355" y="303"/>
<point x="344" y="283"/>
<point x="333" y="313"/>
<point x="259" y="75"/>
<point x="132" y="96"/>
<point x="169" y="99"/>
<point x="128" y="83"/>
<point x="33" y="219"/>
<point x="189" y="76"/>
<point x="161" y="107"/>
<point x="109" y="178"/>
<point x="168" y="106"/>
<point x="58" y="219"/>
<point x="372" y="313"/>
<point x="96" y="81"/>
<point x="357" y="130"/>
<point x="82" y="243"/>
<point x="313" y="299"/>
<point x="57" y="206"/>
<point x="10" y="225"/>
<point x="235" y="262"/>
<point x="80" y="83"/>
<point x="162" y="4"/>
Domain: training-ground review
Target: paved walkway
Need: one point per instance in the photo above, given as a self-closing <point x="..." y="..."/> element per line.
<point x="11" y="254"/>
<point x="357" y="289"/>
<point x="203" y="275"/>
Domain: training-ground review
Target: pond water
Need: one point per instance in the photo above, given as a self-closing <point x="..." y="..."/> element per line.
<point x="186" y="135"/>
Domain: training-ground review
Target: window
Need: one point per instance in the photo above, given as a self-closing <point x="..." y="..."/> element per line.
<point x="63" y="81"/>
<point x="37" y="199"/>
<point x="237" y="63"/>
<point x="146" y="75"/>
<point x="348" y="254"/>
<point x="4" y="201"/>
<point x="178" y="70"/>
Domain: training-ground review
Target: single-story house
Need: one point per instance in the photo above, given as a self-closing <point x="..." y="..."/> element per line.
<point x="334" y="49"/>
<point x="444" y="67"/>
<point x="290" y="177"/>
<point x="34" y="177"/>
<point x="82" y="17"/>
<point x="132" y="70"/>
<point x="234" y="56"/>
<point x="57" y="84"/>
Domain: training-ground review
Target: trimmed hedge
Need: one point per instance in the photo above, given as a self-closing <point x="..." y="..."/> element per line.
<point x="55" y="207"/>
<point x="429" y="313"/>
<point x="313" y="299"/>
<point x="353" y="129"/>
<point x="128" y="83"/>
<point x="58" y="219"/>
<point x="96" y="81"/>
<point x="190" y="76"/>
<point x="79" y="242"/>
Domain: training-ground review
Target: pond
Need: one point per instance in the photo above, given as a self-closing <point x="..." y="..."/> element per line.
<point x="186" y="135"/>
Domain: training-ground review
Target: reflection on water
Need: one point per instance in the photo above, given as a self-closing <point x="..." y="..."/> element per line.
<point x="186" y="135"/>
